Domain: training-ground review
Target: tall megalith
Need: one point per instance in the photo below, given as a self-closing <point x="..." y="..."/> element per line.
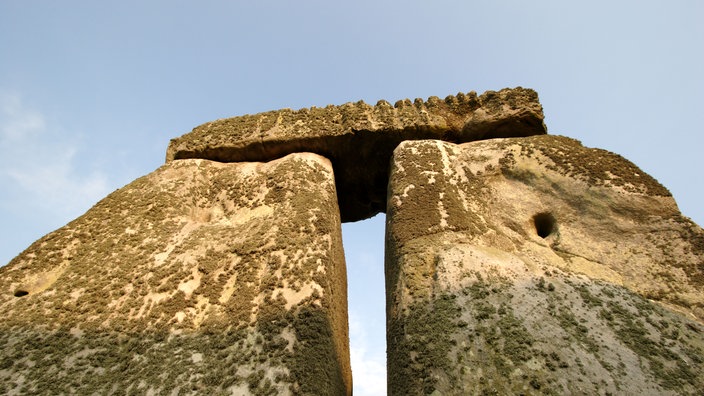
<point x="201" y="277"/>
<point x="536" y="265"/>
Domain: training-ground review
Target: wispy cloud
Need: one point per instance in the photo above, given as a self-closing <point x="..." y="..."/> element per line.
<point x="38" y="167"/>
<point x="368" y="365"/>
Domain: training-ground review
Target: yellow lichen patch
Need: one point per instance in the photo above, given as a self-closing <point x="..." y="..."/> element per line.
<point x="592" y="269"/>
<point x="294" y="297"/>
<point x="37" y="283"/>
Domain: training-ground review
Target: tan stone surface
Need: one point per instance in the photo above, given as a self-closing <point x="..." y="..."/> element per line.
<point x="536" y="265"/>
<point x="359" y="138"/>
<point x="201" y="277"/>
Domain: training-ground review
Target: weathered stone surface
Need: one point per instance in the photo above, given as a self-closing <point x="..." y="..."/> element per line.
<point x="514" y="266"/>
<point x="201" y="277"/>
<point x="538" y="265"/>
<point x="359" y="138"/>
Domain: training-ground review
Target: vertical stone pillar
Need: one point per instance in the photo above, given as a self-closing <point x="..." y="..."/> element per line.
<point x="201" y="277"/>
<point x="420" y="313"/>
<point x="531" y="266"/>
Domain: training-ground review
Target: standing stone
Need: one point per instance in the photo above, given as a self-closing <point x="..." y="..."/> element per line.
<point x="535" y="265"/>
<point x="201" y="277"/>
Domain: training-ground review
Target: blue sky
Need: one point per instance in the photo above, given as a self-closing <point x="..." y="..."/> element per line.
<point x="91" y="92"/>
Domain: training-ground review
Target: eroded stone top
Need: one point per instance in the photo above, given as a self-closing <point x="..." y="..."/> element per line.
<point x="359" y="138"/>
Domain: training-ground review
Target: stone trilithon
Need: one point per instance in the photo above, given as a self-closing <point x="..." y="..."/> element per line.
<point x="516" y="263"/>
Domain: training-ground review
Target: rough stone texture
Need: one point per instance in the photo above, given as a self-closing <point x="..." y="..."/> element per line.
<point x="514" y="266"/>
<point x="536" y="265"/>
<point x="201" y="277"/>
<point x="359" y="138"/>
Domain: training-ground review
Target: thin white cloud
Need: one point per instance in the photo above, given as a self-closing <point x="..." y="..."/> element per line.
<point x="16" y="122"/>
<point x="368" y="366"/>
<point x="38" y="167"/>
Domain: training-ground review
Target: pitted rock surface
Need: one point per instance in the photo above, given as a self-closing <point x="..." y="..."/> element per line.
<point x="538" y="265"/>
<point x="201" y="277"/>
<point x="359" y="138"/>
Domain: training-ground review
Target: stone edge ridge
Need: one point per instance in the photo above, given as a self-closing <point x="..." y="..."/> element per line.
<point x="457" y="118"/>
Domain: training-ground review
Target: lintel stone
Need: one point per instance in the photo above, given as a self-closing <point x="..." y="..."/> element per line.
<point x="359" y="138"/>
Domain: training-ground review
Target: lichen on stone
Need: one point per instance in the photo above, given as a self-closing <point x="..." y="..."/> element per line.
<point x="204" y="268"/>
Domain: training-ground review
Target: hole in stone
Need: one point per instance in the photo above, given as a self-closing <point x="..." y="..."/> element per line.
<point x="545" y="224"/>
<point x="21" y="293"/>
<point x="363" y="242"/>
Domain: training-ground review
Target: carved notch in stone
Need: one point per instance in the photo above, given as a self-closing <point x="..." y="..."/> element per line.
<point x="545" y="224"/>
